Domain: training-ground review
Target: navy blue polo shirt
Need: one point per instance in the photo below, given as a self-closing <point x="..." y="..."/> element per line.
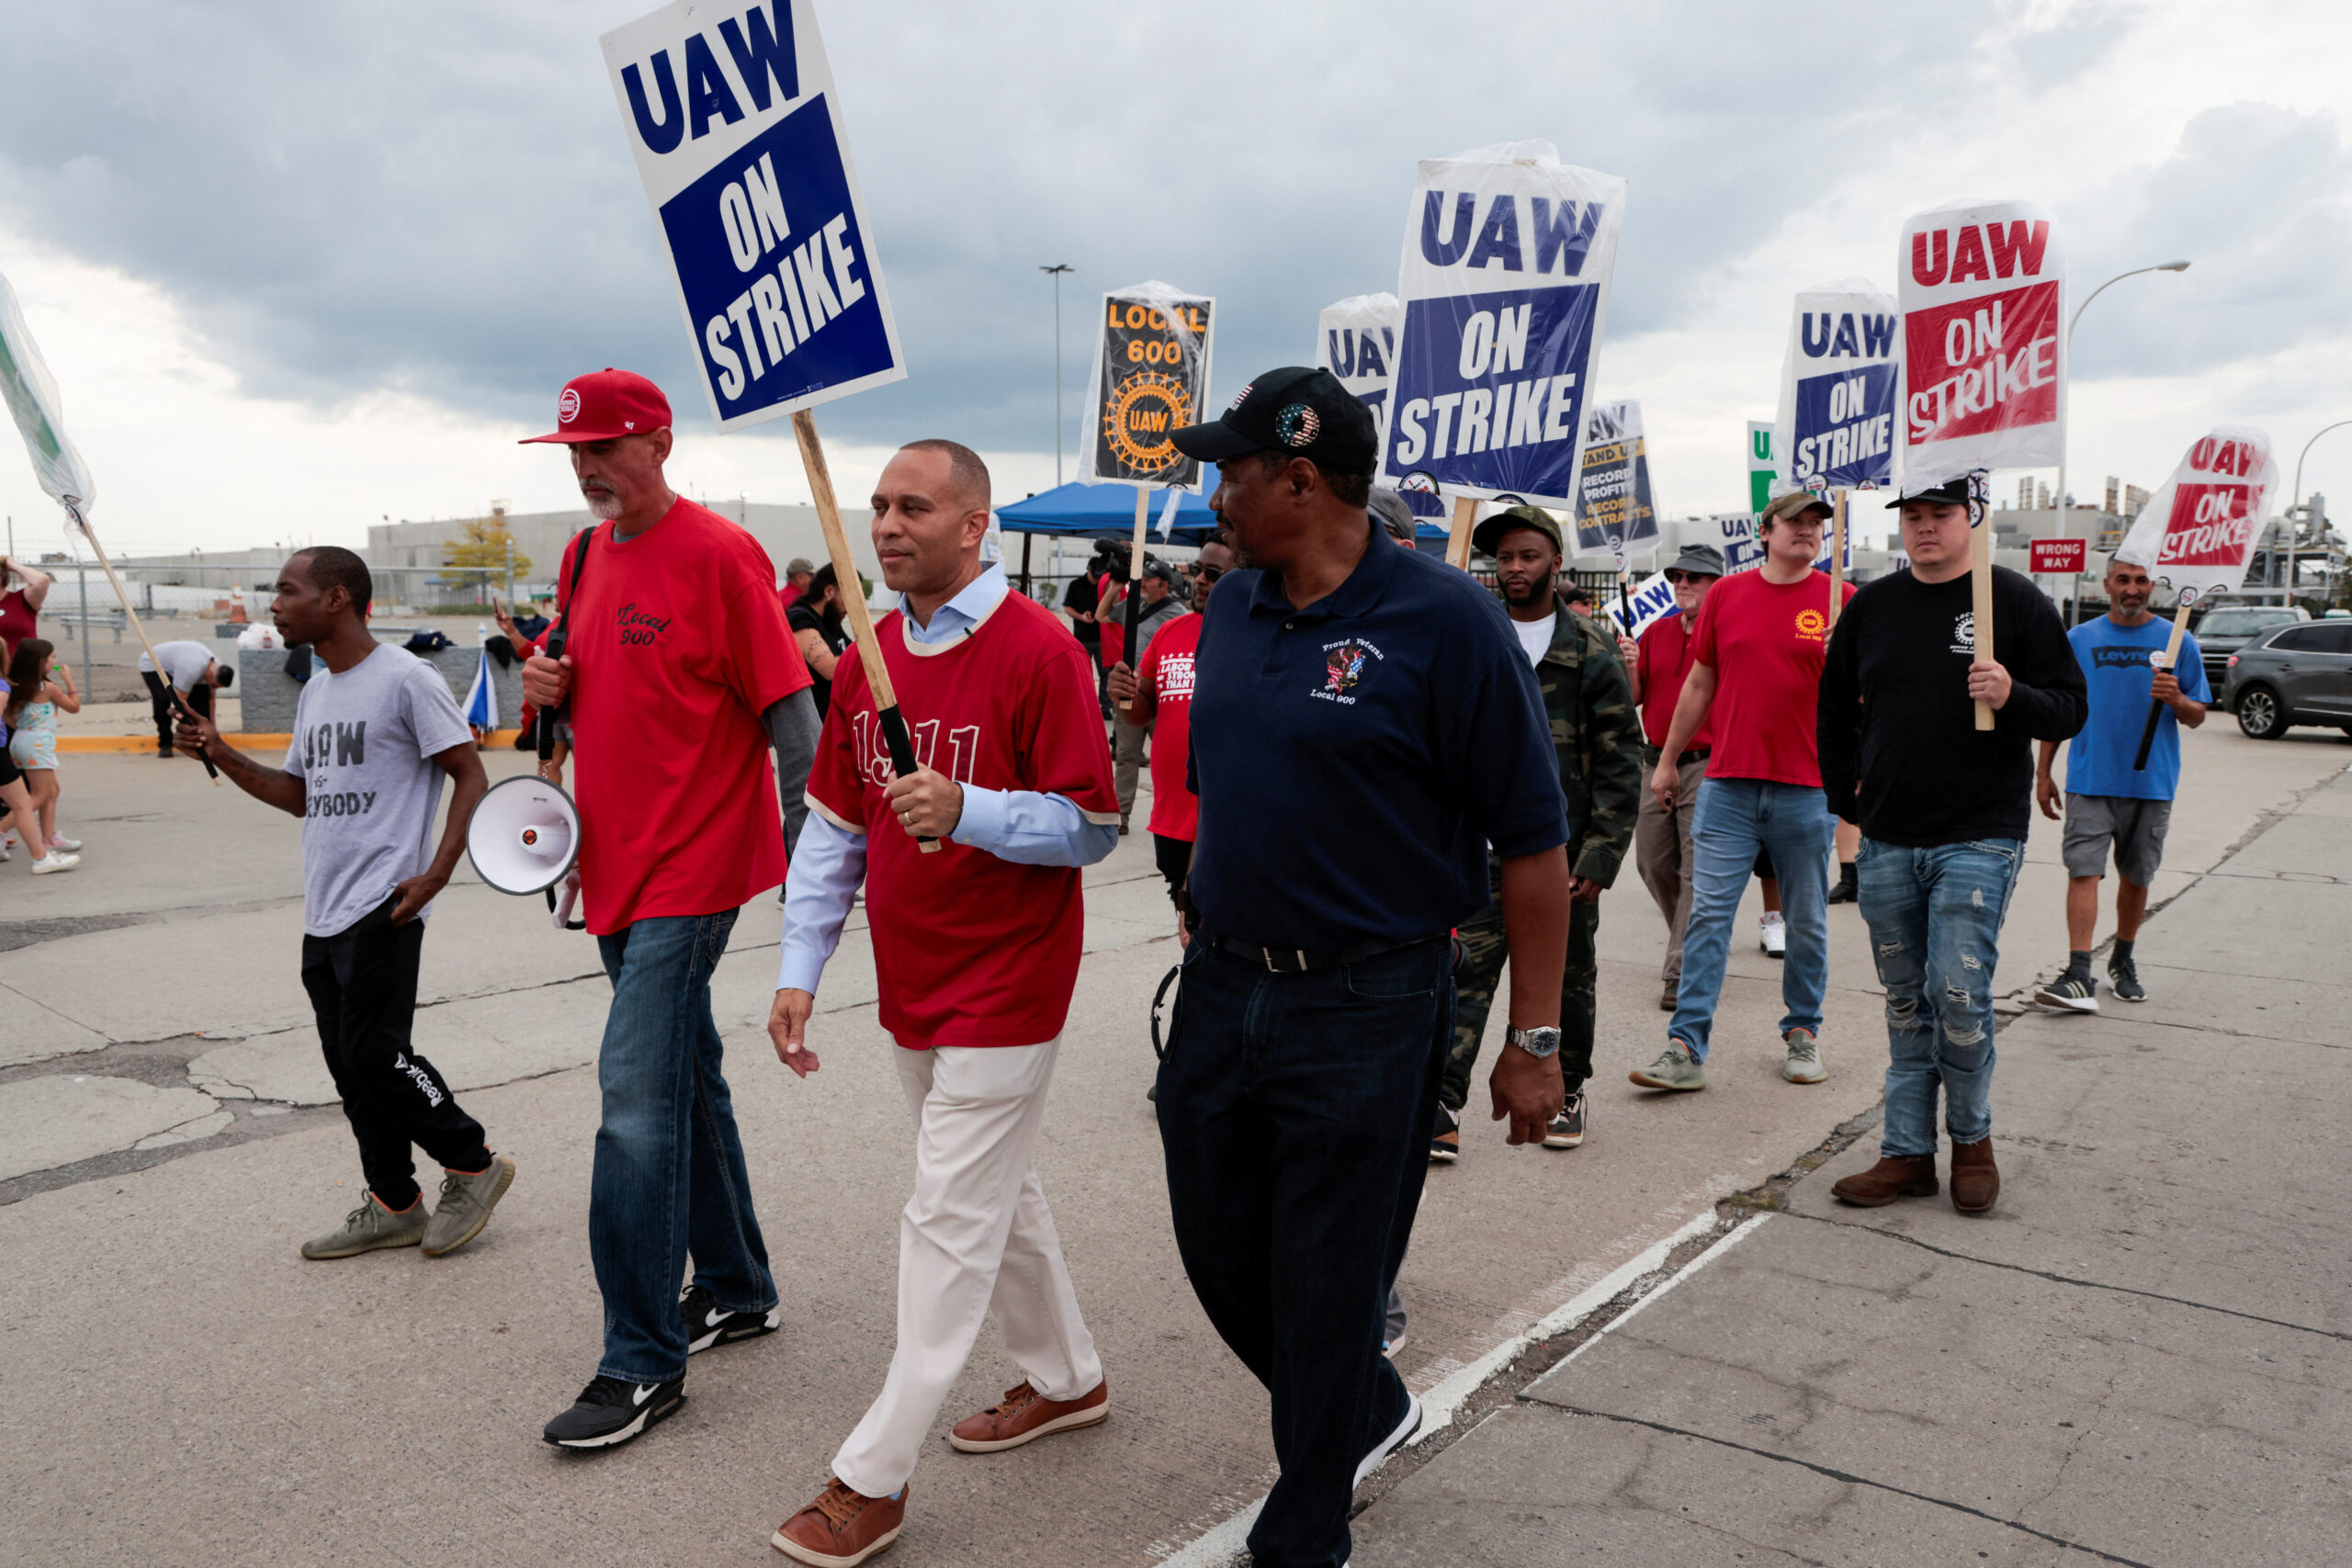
<point x="1354" y="758"/>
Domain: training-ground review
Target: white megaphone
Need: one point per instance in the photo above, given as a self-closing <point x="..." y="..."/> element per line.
<point x="524" y="836"/>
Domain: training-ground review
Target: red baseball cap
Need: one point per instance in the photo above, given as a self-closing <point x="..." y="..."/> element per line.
<point x="604" y="405"/>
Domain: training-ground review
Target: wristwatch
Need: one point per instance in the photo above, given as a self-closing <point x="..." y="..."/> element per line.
<point x="1537" y="1043"/>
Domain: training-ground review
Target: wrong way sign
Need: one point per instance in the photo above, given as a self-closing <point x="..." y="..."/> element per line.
<point x="2063" y="557"/>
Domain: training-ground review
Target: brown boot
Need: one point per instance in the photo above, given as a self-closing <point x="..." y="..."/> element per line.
<point x="1975" y="1180"/>
<point x="1894" y="1176"/>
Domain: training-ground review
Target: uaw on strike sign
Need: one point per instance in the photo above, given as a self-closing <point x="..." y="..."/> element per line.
<point x="1151" y="375"/>
<point x="1505" y="282"/>
<point x="2197" y="532"/>
<point x="1984" y="341"/>
<point x="731" y="111"/>
<point x="1839" y="387"/>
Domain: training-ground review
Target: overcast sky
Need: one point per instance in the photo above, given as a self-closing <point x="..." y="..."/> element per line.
<point x="302" y="265"/>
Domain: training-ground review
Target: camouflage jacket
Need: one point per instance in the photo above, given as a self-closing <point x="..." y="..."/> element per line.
<point x="1599" y="737"/>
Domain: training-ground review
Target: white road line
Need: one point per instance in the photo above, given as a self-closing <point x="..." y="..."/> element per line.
<point x="1225" y="1542"/>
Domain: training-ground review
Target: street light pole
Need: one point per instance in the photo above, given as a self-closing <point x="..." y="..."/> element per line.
<point x="1055" y="274"/>
<point x="2297" y="501"/>
<point x="2070" y="323"/>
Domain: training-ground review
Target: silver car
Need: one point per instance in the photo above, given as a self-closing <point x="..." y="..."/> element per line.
<point x="2299" y="673"/>
<point x="2223" y="629"/>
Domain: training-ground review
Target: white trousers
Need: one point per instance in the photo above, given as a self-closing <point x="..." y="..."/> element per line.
<point x="976" y="1234"/>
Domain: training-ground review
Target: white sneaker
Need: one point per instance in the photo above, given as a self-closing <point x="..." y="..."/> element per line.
<point x="1803" y="1063"/>
<point x="60" y="841"/>
<point x="7" y="842"/>
<point x="1774" y="937"/>
<point x="58" y="862"/>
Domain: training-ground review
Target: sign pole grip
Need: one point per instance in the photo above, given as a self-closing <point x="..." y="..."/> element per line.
<point x="74" y="511"/>
<point x="2172" y="659"/>
<point x="861" y="618"/>
<point x="1836" y="553"/>
<point x="1457" y="548"/>
<point x="1135" y="595"/>
<point x="1980" y="553"/>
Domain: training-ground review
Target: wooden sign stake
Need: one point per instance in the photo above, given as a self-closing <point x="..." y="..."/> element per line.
<point x="1457" y="548"/>
<point x="1837" y="554"/>
<point x="1980" y="567"/>
<point x="137" y="626"/>
<point x="861" y="618"/>
<point x="1134" y="597"/>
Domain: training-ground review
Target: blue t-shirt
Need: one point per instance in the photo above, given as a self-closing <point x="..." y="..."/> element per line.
<point x="1354" y="758"/>
<point x="2115" y="662"/>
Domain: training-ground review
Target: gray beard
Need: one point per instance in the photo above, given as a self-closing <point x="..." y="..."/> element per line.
<point x="605" y="510"/>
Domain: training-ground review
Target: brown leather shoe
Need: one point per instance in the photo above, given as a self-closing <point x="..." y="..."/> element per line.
<point x="841" y="1528"/>
<point x="1976" y="1179"/>
<point x="1023" y="1415"/>
<point x="1894" y="1176"/>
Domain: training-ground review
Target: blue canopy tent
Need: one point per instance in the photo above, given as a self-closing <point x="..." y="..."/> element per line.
<point x="1109" y="510"/>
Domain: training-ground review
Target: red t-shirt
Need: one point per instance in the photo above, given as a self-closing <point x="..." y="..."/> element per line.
<point x="18" y="621"/>
<point x="1168" y="669"/>
<point x="1665" y="665"/>
<point x="678" y="646"/>
<point x="970" y="950"/>
<point x="1112" y="615"/>
<point x="1765" y="641"/>
<point x="788" y="595"/>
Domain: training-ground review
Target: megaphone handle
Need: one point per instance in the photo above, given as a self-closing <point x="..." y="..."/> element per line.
<point x="547" y="732"/>
<point x="902" y="754"/>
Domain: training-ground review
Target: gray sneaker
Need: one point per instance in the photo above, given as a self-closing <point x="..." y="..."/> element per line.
<point x="465" y="1205"/>
<point x="1673" y="1070"/>
<point x="367" y="1227"/>
<point x="1803" y="1063"/>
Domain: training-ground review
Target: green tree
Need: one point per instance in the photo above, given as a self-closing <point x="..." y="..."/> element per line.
<point x="483" y="558"/>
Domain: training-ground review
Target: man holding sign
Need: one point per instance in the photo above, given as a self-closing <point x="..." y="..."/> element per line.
<point x="1944" y="808"/>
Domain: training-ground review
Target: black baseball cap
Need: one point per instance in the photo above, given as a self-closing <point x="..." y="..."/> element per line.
<point x="1953" y="492"/>
<point x="1295" y="409"/>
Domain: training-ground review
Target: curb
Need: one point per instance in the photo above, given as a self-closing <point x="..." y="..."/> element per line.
<point x="241" y="740"/>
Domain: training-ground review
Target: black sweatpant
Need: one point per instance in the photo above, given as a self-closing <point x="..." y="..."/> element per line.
<point x="362" y="982"/>
<point x="166" y="715"/>
<point x="1174" y="858"/>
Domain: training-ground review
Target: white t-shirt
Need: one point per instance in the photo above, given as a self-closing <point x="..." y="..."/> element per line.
<point x="1536" y="636"/>
<point x="184" y="662"/>
<point x="364" y="744"/>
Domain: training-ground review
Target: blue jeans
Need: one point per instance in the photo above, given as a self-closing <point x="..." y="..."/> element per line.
<point x="1734" y="818"/>
<point x="1935" y="920"/>
<point x="1294" y="1116"/>
<point x="669" y="1178"/>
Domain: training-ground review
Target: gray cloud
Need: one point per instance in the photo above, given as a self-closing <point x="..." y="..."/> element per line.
<point x="436" y="196"/>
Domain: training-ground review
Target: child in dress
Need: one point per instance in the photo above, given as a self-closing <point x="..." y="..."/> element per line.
<point x="38" y="685"/>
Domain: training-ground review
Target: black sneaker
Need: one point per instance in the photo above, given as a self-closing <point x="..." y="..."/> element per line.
<point x="1445" y="1137"/>
<point x="610" y="1411"/>
<point x="709" y="1323"/>
<point x="2075" y="993"/>
<point x="1568" y="1128"/>
<point x="2123" y="979"/>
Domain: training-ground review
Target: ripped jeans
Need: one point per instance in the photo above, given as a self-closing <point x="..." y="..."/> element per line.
<point x="1935" y="922"/>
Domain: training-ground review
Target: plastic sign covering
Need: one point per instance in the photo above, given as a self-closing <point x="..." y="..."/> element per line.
<point x="1984" y="341"/>
<point x="1652" y="600"/>
<point x="1505" y="284"/>
<point x="1614" y="510"/>
<point x="731" y="111"/>
<point x="1151" y="377"/>
<point x="1355" y="340"/>
<point x="2198" y="532"/>
<point x="1736" y="536"/>
<point x="33" y="403"/>
<point x="1840" y="386"/>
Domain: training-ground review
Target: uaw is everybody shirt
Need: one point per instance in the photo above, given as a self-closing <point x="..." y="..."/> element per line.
<point x="364" y="744"/>
<point x="678" y="645"/>
<point x="970" y="950"/>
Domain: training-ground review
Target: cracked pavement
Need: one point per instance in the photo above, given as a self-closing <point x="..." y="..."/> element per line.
<point x="167" y="1136"/>
<point x="2141" y="1357"/>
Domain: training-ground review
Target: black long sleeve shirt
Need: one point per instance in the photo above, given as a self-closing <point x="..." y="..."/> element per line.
<point x="1900" y="750"/>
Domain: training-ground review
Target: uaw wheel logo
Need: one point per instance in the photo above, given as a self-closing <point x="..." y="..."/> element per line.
<point x="567" y="407"/>
<point x="1143" y="413"/>
<point x="1810" y="624"/>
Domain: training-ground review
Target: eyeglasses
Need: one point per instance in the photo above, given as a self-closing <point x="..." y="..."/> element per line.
<point x="1678" y="578"/>
<point x="1208" y="573"/>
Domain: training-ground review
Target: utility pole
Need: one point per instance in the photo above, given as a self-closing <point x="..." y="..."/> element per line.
<point x="2070" y="322"/>
<point x="1055" y="274"/>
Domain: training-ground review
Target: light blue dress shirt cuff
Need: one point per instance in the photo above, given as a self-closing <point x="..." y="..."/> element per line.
<point x="1030" y="827"/>
<point x="827" y="864"/>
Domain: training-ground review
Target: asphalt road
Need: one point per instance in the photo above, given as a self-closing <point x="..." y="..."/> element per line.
<point x="185" y="1386"/>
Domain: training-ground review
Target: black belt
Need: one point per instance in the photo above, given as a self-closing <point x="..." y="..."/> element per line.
<point x="1299" y="960"/>
<point x="1689" y="754"/>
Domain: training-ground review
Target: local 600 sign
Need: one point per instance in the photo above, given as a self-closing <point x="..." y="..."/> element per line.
<point x="731" y="112"/>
